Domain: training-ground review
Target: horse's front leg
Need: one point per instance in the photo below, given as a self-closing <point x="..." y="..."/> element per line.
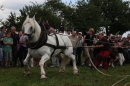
<point x="26" y="64"/>
<point x="44" y="58"/>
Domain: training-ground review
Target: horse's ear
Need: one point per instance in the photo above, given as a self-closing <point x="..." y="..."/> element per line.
<point x="34" y="17"/>
<point x="27" y="17"/>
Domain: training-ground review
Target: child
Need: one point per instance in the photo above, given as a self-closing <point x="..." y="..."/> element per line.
<point x="8" y="41"/>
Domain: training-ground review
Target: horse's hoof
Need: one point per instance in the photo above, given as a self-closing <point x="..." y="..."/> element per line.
<point x="77" y="74"/>
<point x="26" y="74"/>
<point x="61" y="71"/>
<point x="44" y="79"/>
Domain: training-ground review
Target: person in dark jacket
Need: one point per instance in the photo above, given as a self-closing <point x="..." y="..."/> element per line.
<point x="15" y="38"/>
<point x="104" y="53"/>
<point x="88" y="41"/>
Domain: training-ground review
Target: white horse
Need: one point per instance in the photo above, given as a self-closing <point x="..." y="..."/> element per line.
<point x="32" y="33"/>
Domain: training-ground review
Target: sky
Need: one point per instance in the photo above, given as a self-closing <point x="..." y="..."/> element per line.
<point x="15" y="5"/>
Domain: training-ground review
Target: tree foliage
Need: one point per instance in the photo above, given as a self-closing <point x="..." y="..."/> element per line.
<point x="115" y="15"/>
<point x="84" y="14"/>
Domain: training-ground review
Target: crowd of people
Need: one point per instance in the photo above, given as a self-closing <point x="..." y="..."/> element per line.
<point x="12" y="47"/>
<point x="107" y="50"/>
<point x="104" y="50"/>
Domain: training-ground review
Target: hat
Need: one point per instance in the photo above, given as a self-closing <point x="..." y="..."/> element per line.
<point x="80" y="33"/>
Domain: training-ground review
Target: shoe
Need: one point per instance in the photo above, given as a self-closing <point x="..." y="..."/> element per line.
<point x="100" y="65"/>
<point x="112" y="65"/>
<point x="57" y="66"/>
<point x="52" y="66"/>
<point x="82" y="64"/>
<point x="6" y="66"/>
<point x="89" y="65"/>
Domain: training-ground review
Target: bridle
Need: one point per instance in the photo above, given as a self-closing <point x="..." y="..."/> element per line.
<point x="29" y="35"/>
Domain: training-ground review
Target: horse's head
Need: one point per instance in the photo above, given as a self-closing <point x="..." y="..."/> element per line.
<point x="28" y="28"/>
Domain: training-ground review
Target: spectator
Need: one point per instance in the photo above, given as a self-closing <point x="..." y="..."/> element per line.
<point x="15" y="38"/>
<point x="18" y="46"/>
<point x="88" y="41"/>
<point x="55" y="62"/>
<point x="42" y="25"/>
<point x="69" y="32"/>
<point x="23" y="49"/>
<point x="8" y="41"/>
<point x="61" y="24"/>
<point x="47" y="25"/>
<point x="74" y="39"/>
<point x="2" y="34"/>
<point x="79" y="48"/>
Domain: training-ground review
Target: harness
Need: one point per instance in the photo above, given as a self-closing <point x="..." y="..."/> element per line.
<point x="43" y="41"/>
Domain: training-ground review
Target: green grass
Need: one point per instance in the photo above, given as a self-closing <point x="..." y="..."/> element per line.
<point x="87" y="77"/>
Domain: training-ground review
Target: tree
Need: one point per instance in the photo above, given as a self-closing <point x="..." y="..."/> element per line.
<point x="115" y="15"/>
<point x="87" y="15"/>
<point x="39" y="10"/>
<point x="1" y="9"/>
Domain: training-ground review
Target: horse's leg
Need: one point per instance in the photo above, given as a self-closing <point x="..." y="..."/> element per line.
<point x="75" y="70"/>
<point x="44" y="58"/>
<point x="65" y="60"/>
<point x="26" y="64"/>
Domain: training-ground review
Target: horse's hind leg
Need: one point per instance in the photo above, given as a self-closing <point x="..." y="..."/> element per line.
<point x="44" y="58"/>
<point x="65" y="61"/>
<point x="26" y="64"/>
<point x="75" y="70"/>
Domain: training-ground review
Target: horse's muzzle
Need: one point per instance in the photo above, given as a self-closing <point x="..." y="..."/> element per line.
<point x="29" y="35"/>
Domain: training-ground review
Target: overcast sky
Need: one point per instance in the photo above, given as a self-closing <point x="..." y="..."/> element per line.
<point x="15" y="5"/>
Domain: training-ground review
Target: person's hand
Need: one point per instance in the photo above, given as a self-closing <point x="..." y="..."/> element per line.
<point x="85" y="44"/>
<point x="1" y="39"/>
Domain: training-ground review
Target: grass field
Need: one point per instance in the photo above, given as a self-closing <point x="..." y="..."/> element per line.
<point x="87" y="77"/>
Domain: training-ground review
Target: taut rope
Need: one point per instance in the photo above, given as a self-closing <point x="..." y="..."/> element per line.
<point x="125" y="76"/>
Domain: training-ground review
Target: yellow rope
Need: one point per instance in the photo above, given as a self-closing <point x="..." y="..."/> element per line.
<point x="119" y="81"/>
<point x="127" y="84"/>
<point x="125" y="76"/>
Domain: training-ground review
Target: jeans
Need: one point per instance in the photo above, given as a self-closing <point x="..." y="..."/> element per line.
<point x="1" y="54"/>
<point x="14" y="55"/>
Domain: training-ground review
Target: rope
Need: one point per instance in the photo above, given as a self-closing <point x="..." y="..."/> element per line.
<point x="98" y="47"/>
<point x="94" y="65"/>
<point x="102" y="42"/>
<point x="127" y="84"/>
<point x="119" y="81"/>
<point x="125" y="76"/>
